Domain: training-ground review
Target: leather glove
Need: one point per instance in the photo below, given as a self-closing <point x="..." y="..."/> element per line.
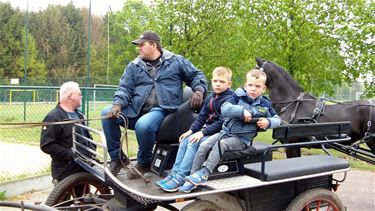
<point x="115" y="111"/>
<point x="196" y="100"/>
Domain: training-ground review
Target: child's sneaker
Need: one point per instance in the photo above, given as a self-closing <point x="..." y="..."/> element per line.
<point x="187" y="187"/>
<point x="171" y="185"/>
<point x="159" y="182"/>
<point x="198" y="178"/>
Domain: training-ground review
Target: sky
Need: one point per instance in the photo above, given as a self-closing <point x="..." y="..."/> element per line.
<point x="98" y="7"/>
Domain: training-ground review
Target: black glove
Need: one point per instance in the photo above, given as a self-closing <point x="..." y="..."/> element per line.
<point x="115" y="111"/>
<point x="196" y="100"/>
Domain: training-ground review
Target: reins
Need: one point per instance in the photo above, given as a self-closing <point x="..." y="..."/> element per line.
<point x="124" y="138"/>
<point x="15" y="125"/>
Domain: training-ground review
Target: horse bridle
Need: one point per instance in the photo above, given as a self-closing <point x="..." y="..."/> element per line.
<point x="289" y="103"/>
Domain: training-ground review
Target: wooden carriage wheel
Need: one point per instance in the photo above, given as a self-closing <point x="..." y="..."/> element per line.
<point x="316" y="199"/>
<point x="76" y="186"/>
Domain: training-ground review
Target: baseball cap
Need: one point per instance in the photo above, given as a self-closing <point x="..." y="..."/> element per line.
<point x="147" y="36"/>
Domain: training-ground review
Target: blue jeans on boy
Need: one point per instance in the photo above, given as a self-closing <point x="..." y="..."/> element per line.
<point x="145" y="125"/>
<point x="185" y="156"/>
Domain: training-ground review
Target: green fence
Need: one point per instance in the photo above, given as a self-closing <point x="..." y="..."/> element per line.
<point x="19" y="148"/>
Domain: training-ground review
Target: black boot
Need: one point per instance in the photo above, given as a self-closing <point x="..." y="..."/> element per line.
<point x="115" y="166"/>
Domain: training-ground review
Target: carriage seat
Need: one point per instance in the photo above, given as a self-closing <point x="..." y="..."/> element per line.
<point x="295" y="167"/>
<point x="257" y="148"/>
<point x="177" y="122"/>
<point x="233" y="161"/>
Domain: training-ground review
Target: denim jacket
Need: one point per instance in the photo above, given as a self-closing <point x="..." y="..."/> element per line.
<point x="233" y="111"/>
<point x="210" y="114"/>
<point x="136" y="83"/>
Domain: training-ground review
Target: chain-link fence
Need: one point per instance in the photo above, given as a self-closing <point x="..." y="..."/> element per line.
<point x="20" y="154"/>
<point x="19" y="148"/>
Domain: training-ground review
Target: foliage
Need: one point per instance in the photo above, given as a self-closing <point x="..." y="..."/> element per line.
<point x="10" y="41"/>
<point x="321" y="43"/>
<point x="125" y="26"/>
<point x="202" y="31"/>
<point x="2" y="195"/>
<point x="58" y="32"/>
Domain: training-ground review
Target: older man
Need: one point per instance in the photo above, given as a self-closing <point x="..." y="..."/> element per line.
<point x="56" y="140"/>
<point x="150" y="89"/>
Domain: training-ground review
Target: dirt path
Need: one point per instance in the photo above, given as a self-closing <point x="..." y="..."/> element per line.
<point x="18" y="159"/>
<point x="358" y="190"/>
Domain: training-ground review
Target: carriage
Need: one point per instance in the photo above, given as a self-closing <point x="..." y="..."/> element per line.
<point x="243" y="180"/>
<point x="249" y="179"/>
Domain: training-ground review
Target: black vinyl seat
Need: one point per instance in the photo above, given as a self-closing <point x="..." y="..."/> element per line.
<point x="251" y="154"/>
<point x="295" y="167"/>
<point x="235" y="160"/>
<point x="177" y="122"/>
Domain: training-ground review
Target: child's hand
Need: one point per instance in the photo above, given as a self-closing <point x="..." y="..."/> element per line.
<point x="262" y="123"/>
<point x="184" y="135"/>
<point x="246" y="116"/>
<point x="196" y="137"/>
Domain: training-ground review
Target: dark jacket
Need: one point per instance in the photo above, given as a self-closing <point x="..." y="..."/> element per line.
<point x="56" y="140"/>
<point x="136" y="83"/>
<point x="233" y="111"/>
<point x="210" y="114"/>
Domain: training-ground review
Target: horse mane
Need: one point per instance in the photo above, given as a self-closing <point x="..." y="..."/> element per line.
<point x="279" y="82"/>
<point x="282" y="75"/>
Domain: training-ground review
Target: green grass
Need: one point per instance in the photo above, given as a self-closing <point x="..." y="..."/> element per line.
<point x="7" y="177"/>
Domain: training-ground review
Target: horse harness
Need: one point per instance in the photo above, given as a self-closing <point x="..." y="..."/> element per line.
<point x="369" y="133"/>
<point x="318" y="111"/>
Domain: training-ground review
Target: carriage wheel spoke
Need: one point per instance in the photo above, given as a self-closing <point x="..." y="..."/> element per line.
<point x="96" y="192"/>
<point x="85" y="188"/>
<point x="318" y="205"/>
<point x="307" y="208"/>
<point x="74" y="194"/>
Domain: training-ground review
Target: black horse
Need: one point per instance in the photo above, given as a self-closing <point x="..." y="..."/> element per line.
<point x="295" y="106"/>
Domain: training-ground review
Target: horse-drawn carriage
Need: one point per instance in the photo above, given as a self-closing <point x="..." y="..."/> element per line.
<point x="244" y="180"/>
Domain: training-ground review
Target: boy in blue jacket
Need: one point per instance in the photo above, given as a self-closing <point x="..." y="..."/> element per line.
<point x="208" y="123"/>
<point x="237" y="131"/>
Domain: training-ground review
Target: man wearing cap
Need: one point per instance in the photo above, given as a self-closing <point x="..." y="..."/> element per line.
<point x="149" y="89"/>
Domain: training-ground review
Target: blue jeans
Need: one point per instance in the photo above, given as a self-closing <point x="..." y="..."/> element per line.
<point x="185" y="156"/>
<point x="145" y="125"/>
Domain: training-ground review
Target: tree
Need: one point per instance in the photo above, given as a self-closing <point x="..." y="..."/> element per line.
<point x="125" y="26"/>
<point x="59" y="34"/>
<point x="10" y="40"/>
<point x="200" y="30"/>
<point x="12" y="48"/>
<point x="36" y="71"/>
<point x="308" y="38"/>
